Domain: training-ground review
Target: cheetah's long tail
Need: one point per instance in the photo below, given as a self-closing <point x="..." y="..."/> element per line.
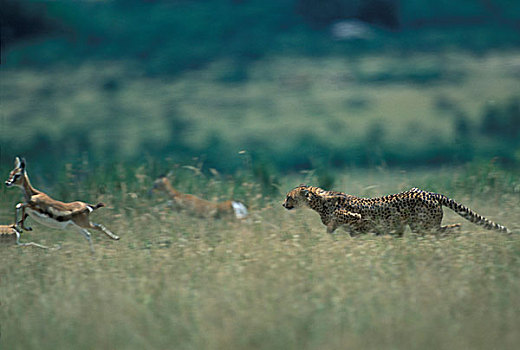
<point x="470" y="215"/>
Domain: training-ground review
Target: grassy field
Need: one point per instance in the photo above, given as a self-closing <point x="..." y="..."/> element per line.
<point x="276" y="281"/>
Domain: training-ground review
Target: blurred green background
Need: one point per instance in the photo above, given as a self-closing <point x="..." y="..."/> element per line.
<point x="296" y="84"/>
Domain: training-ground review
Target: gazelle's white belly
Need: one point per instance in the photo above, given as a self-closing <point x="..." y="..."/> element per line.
<point x="46" y="220"/>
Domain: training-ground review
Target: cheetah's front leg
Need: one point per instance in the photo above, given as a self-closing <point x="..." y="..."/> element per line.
<point x="342" y="217"/>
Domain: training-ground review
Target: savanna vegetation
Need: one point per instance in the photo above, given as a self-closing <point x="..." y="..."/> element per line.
<point x="274" y="281"/>
<point x="293" y="114"/>
<point x="245" y="100"/>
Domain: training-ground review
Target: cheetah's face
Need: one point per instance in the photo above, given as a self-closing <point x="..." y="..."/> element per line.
<point x="296" y="198"/>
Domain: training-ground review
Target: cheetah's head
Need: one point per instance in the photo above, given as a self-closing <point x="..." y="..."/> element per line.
<point x="297" y="198"/>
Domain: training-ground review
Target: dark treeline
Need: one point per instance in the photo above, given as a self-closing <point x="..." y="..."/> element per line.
<point x="168" y="37"/>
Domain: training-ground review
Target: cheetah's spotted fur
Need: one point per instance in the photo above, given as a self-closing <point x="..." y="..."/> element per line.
<point x="421" y="210"/>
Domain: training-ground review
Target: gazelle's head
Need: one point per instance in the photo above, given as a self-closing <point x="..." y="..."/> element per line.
<point x="160" y="184"/>
<point x="297" y="198"/>
<point x="17" y="175"/>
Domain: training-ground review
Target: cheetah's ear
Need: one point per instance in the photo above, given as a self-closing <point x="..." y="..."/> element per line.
<point x="306" y="193"/>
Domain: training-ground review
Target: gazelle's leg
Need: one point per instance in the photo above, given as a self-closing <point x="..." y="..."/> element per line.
<point x="103" y="229"/>
<point x="86" y="234"/>
<point x="28" y="244"/>
<point x="21" y="207"/>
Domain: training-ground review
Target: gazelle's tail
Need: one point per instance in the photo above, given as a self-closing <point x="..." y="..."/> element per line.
<point x="240" y="210"/>
<point x="470" y="215"/>
<point x="92" y="207"/>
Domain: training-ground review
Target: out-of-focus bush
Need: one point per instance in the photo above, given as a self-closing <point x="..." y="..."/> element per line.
<point x="23" y="20"/>
<point x="502" y="120"/>
<point x="380" y="12"/>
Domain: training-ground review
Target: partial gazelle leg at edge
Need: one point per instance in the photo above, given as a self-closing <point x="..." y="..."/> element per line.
<point x="10" y="232"/>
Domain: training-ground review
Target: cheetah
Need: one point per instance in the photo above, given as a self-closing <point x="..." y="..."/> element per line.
<point x="421" y="210"/>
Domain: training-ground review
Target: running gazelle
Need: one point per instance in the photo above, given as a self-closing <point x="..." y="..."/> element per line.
<point x="198" y="206"/>
<point x="50" y="212"/>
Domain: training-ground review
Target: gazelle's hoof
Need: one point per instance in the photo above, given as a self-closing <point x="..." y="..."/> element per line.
<point x="23" y="227"/>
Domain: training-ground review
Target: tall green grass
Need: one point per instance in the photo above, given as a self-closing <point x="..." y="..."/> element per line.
<point x="275" y="281"/>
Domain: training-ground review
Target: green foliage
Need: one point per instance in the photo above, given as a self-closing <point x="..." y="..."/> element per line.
<point x="502" y="120"/>
<point x="22" y="20"/>
<point x="167" y="38"/>
<point x="290" y="114"/>
<point x="128" y="81"/>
